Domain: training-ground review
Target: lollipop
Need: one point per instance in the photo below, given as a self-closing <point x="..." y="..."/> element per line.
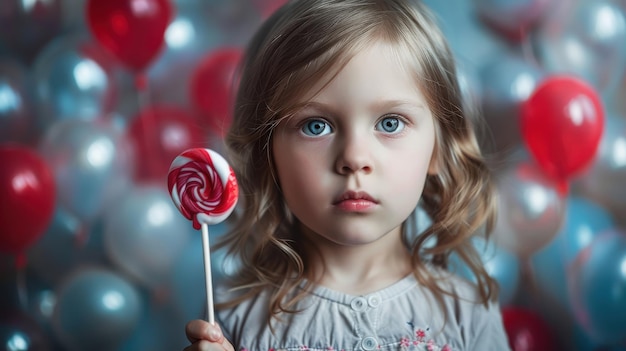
<point x="204" y="188"/>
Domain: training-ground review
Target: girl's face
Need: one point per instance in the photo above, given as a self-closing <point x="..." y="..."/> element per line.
<point x="352" y="163"/>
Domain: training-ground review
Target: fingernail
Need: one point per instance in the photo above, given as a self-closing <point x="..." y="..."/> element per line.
<point x="215" y="334"/>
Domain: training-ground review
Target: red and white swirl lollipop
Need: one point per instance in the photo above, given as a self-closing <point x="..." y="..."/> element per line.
<point x="204" y="188"/>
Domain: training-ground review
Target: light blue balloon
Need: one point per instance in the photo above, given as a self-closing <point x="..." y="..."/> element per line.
<point x="160" y="327"/>
<point x="96" y="309"/>
<point x="91" y="162"/>
<point x="584" y="220"/>
<point x="500" y="264"/>
<point x="67" y="243"/>
<point x="189" y="36"/>
<point x="17" y="110"/>
<point x="187" y="279"/>
<point x="468" y="37"/>
<point x="73" y="80"/>
<point x="598" y="288"/>
<point x="144" y="234"/>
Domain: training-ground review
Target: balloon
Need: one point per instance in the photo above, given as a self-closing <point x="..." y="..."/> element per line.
<point x="531" y="209"/>
<point x="131" y="30"/>
<point x="187" y="278"/>
<point x="562" y="124"/>
<point x="159" y="134"/>
<point x="67" y="243"/>
<point x="190" y="35"/>
<point x="501" y="265"/>
<point x="159" y="328"/>
<point x="584" y="38"/>
<point x="213" y="85"/>
<point x="28" y="25"/>
<point x="73" y="80"/>
<point x="470" y="85"/>
<point x="597" y="283"/>
<point x="17" y="120"/>
<point x="512" y="19"/>
<point x="28" y="191"/>
<point x="603" y="180"/>
<point x="508" y="80"/>
<point x="18" y="331"/>
<point x="584" y="220"/>
<point x="96" y="309"/>
<point x="468" y="38"/>
<point x="527" y="331"/>
<point x="91" y="162"/>
<point x="267" y="7"/>
<point x="144" y="234"/>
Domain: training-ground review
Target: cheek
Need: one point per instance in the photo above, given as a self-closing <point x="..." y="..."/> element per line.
<point x="296" y="171"/>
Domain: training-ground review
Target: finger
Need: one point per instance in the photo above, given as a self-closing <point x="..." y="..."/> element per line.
<point x="202" y="330"/>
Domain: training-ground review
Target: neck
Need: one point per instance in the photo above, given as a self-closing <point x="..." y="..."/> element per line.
<point x="360" y="269"/>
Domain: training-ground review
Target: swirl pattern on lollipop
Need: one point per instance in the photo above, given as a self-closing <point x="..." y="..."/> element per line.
<point x="203" y="186"/>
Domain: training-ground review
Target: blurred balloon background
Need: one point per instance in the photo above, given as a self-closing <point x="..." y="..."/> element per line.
<point x="97" y="97"/>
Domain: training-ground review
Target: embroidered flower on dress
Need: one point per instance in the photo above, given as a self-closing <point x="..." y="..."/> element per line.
<point x="420" y="334"/>
<point x="404" y="342"/>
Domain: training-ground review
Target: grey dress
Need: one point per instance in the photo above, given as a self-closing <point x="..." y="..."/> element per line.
<point x="403" y="316"/>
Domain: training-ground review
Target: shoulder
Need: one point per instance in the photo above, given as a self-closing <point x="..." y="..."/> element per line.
<point x="481" y="323"/>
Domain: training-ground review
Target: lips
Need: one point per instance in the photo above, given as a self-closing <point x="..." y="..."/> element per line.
<point x="355" y="197"/>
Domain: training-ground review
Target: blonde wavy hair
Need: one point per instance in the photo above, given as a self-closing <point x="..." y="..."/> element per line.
<point x="295" y="48"/>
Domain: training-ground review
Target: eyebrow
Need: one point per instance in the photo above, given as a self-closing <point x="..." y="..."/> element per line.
<point x="377" y="105"/>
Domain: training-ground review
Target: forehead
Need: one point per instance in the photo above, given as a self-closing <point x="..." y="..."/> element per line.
<point x="369" y="58"/>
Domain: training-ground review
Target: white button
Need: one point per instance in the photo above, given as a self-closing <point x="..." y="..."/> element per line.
<point x="359" y="304"/>
<point x="373" y="301"/>
<point x="369" y="343"/>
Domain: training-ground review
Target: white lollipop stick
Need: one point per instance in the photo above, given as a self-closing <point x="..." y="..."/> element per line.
<point x="204" y="188"/>
<point x="206" y="252"/>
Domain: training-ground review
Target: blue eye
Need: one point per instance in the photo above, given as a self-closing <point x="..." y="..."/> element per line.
<point x="390" y="125"/>
<point x="316" y="127"/>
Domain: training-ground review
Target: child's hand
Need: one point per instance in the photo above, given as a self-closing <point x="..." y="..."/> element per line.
<point x="205" y="336"/>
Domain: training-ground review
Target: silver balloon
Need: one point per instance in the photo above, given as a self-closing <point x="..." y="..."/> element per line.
<point x="604" y="180"/>
<point x="144" y="233"/>
<point x="507" y="80"/>
<point x="531" y="209"/>
<point x="73" y="80"/>
<point x="17" y="120"/>
<point x="585" y="38"/>
<point x="91" y="162"/>
<point x="28" y="25"/>
<point x="96" y="309"/>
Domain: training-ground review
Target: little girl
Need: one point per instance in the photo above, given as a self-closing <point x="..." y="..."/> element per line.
<point x="347" y="117"/>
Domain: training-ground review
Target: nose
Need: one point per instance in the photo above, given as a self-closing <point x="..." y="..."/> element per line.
<point x="354" y="155"/>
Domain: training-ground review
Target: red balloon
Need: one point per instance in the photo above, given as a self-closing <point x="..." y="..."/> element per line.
<point x="562" y="123"/>
<point x="267" y="7"/>
<point x="527" y="331"/>
<point x="28" y="190"/>
<point x="213" y="86"/>
<point x="132" y="30"/>
<point x="159" y="134"/>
